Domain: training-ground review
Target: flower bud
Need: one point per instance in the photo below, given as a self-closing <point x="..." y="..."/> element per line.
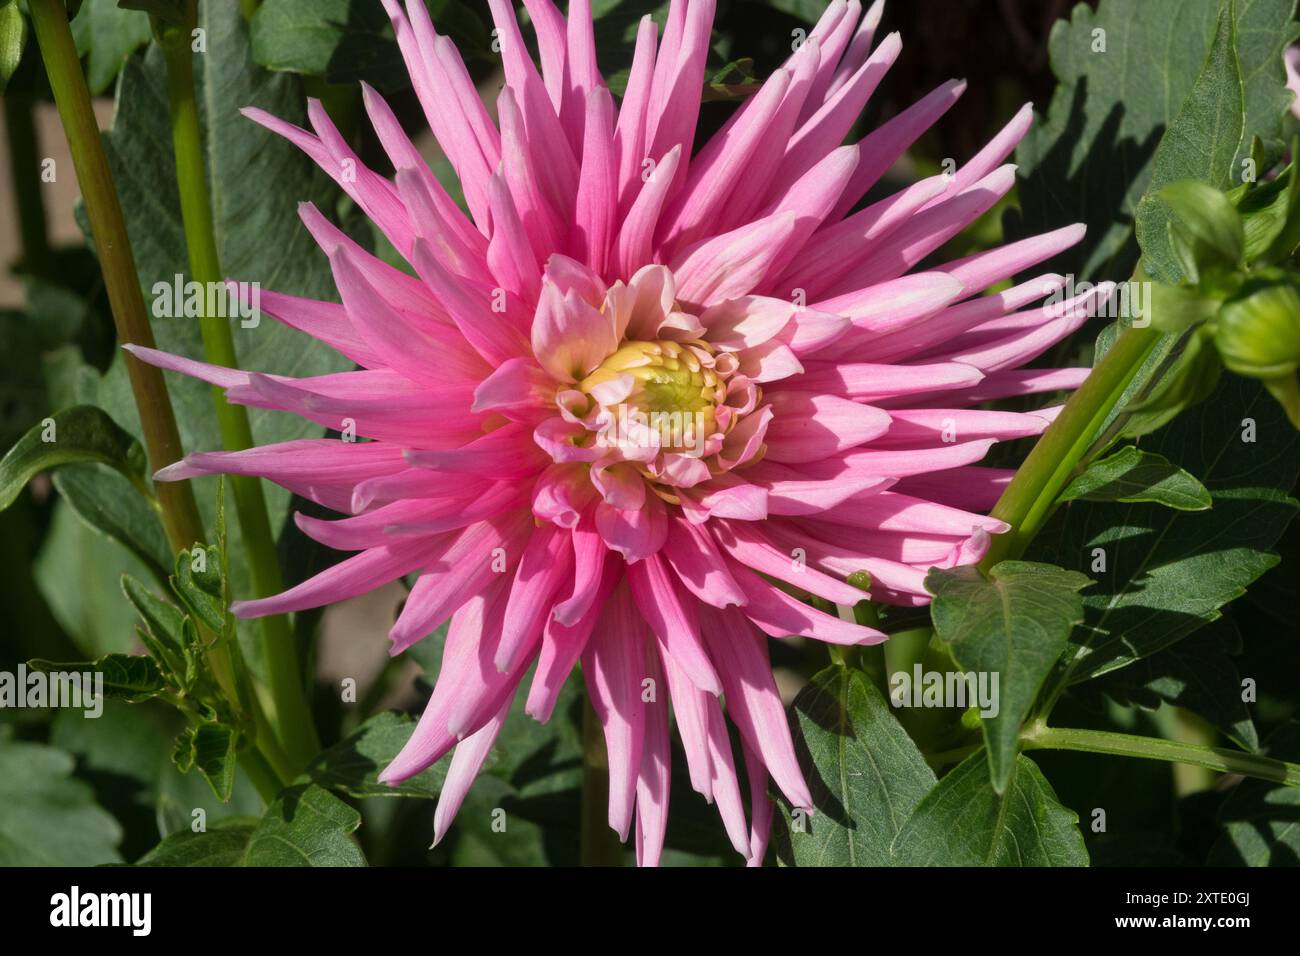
<point x="1258" y="333"/>
<point x="1258" y="336"/>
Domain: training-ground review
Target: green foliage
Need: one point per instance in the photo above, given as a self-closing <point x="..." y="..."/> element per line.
<point x="50" y="818"/>
<point x="347" y="41"/>
<point x="1166" y="572"/>
<point x="1015" y="623"/>
<point x="107" y="34"/>
<point x="352" y="766"/>
<point x="1133" y="475"/>
<point x="80" y="434"/>
<point x="13" y="34"/>
<point x="1258" y="820"/>
<point x="1095" y="155"/>
<point x="963" y="821"/>
<point x="125" y="676"/>
<point x="866" y="774"/>
<point x="306" y="826"/>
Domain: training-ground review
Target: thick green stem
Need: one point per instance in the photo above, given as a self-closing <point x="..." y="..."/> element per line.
<point x="261" y="775"/>
<point x="286" y="704"/>
<point x="25" y="170"/>
<point x="162" y="439"/>
<point x="1031" y="497"/>
<point x="599" y="844"/>
<point x="1041" y="737"/>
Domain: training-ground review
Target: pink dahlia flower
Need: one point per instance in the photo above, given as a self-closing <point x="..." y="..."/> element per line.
<point x="637" y="397"/>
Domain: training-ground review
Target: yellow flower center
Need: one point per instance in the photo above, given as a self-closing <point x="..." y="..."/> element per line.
<point x="669" y="378"/>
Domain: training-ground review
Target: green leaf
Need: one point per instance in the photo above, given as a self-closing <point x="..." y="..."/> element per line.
<point x="106" y="35"/>
<point x="76" y="571"/>
<point x="347" y="41"/>
<point x="1202" y="143"/>
<point x="171" y="11"/>
<point x="865" y="773"/>
<point x="128" y="677"/>
<point x="1261" y="821"/>
<point x="126" y="755"/>
<point x="105" y="501"/>
<point x="1132" y="474"/>
<point x="211" y="749"/>
<point x="1162" y="574"/>
<point x="1015" y="624"/>
<point x="13" y="34"/>
<point x="964" y="822"/>
<point x="1196" y="674"/>
<point x="163" y="619"/>
<point x="223" y="843"/>
<point x="50" y="818"/>
<point x="80" y="434"/>
<point x="306" y="826"/>
<point x="352" y="766"/>
<point x="1090" y="159"/>
<point x="199" y="586"/>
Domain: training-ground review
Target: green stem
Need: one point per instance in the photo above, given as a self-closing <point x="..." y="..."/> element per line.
<point x="261" y="775"/>
<point x="25" y="169"/>
<point x="287" y="709"/>
<point x="1031" y="497"/>
<point x="180" y="513"/>
<point x="1041" y="737"/>
<point x="162" y="439"/>
<point x="599" y="844"/>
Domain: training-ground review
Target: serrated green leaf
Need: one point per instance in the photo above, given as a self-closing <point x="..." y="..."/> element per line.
<point x="223" y="843"/>
<point x="80" y="434"/>
<point x="50" y="818"/>
<point x="163" y="618"/>
<point x="964" y="822"/>
<point x="199" y="586"/>
<point x="866" y="775"/>
<point x="306" y="826"/>
<point x="106" y="35"/>
<point x="1015" y="623"/>
<point x="211" y="748"/>
<point x="128" y="677"/>
<point x="1090" y="160"/>
<point x="1132" y="474"/>
<point x="353" y="765"/>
